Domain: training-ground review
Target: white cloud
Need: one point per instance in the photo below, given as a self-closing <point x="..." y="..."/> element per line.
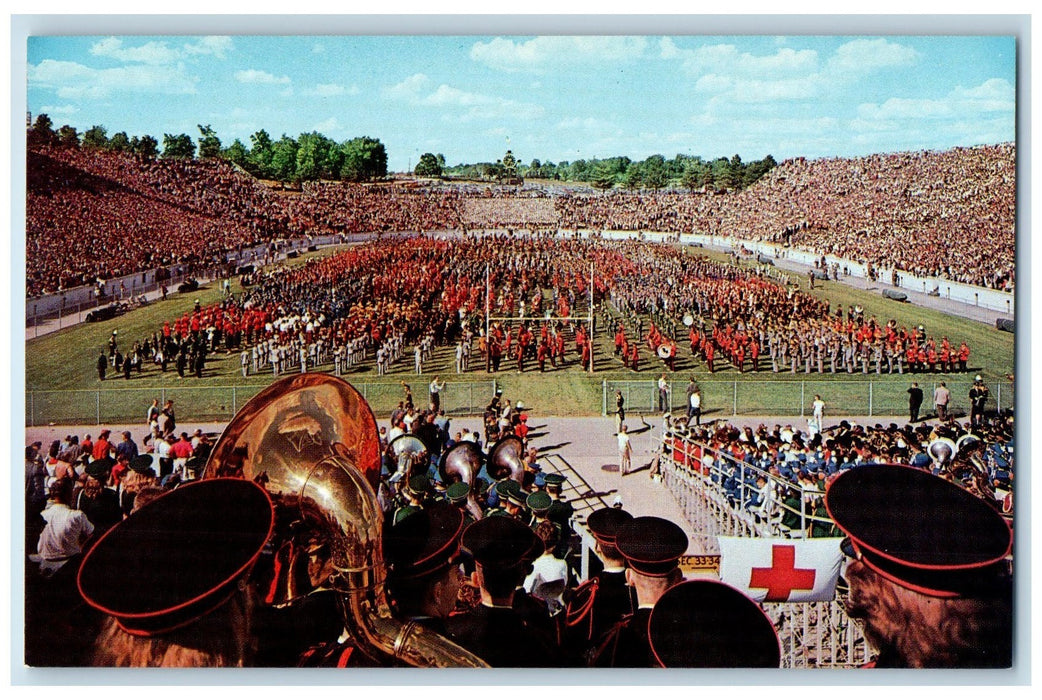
<point x="218" y="46"/>
<point x="72" y="80"/>
<point x="409" y="88"/>
<point x="327" y="126"/>
<point x="259" y="77"/>
<point x="864" y="55"/>
<point x="455" y="104"/>
<point x="59" y="109"/>
<point x="159" y="52"/>
<point x="726" y="60"/>
<point x="152" y="53"/>
<point x="992" y="102"/>
<point x="318" y="48"/>
<point x="326" y="90"/>
<point x="545" y="51"/>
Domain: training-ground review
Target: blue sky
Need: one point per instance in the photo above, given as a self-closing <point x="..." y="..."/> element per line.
<point x="547" y="97"/>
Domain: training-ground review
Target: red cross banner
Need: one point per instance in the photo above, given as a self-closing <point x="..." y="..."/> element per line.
<point x="780" y="570"/>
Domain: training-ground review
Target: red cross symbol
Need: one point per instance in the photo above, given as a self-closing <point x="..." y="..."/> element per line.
<point x="783" y="577"/>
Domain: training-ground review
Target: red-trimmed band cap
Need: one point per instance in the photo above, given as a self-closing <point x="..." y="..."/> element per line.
<point x="424" y="542"/>
<point x="604" y="524"/>
<point x="920" y="531"/>
<point x="501" y="543"/>
<point x="708" y="624"/>
<point x="179" y="557"/>
<point x="651" y="545"/>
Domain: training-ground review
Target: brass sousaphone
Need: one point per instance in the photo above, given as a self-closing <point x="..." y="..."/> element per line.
<point x="507" y="459"/>
<point x="462" y="463"/>
<point x="410" y="454"/>
<point x="311" y="440"/>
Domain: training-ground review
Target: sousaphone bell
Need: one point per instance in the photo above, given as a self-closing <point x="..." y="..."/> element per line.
<point x="462" y="463"/>
<point x="311" y="441"/>
<point x="411" y="456"/>
<point x="506" y="460"/>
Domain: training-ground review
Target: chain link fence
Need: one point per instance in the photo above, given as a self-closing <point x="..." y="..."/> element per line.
<point x="793" y="398"/>
<point x="220" y="403"/>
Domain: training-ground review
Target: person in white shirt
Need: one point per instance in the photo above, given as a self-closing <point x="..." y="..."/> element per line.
<point x="66" y="531"/>
<point x="818" y="410"/>
<point x="549" y="575"/>
<point x="625" y="450"/>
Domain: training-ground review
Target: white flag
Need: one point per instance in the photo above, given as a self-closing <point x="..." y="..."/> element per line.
<point x="776" y="570"/>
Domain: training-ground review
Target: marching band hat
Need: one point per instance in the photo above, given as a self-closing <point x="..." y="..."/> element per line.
<point x="707" y="624"/>
<point x="555" y="479"/>
<point x="651" y="545"/>
<point x="142" y="463"/>
<point x="458" y="492"/>
<point x="188" y="551"/>
<point x="514" y="493"/>
<point x="416" y="486"/>
<point x="501" y="543"/>
<point x="101" y="469"/>
<point x="425" y="542"/>
<point x="540" y="480"/>
<point x="918" y="530"/>
<point x="604" y="524"/>
<point x="539" y="502"/>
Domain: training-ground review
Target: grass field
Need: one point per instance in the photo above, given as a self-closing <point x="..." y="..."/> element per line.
<point x="63" y="387"/>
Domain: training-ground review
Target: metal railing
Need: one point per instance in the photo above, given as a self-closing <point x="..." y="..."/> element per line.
<point x="813" y="635"/>
<point x="793" y="398"/>
<point x="220" y="403"/>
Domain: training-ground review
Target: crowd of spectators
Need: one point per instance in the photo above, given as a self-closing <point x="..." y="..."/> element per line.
<point x="949" y="214"/>
<point x="783" y="471"/>
<point x="94" y="215"/>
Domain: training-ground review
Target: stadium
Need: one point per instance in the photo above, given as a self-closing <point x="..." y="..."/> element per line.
<point x="470" y="417"/>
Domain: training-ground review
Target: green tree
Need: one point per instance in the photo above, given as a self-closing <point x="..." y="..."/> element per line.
<point x="365" y="158"/>
<point x="441" y="161"/>
<point x="179" y="146"/>
<point x="236" y="153"/>
<point x="284" y="159"/>
<point x="634" y="177"/>
<point x="42" y="131"/>
<point x="654" y="170"/>
<point x="603" y="176"/>
<point x="120" y="142"/>
<point x="209" y="144"/>
<point x="313" y="156"/>
<point x="68" y="136"/>
<point x="146" y="146"/>
<point x="428" y="166"/>
<point x="95" y="137"/>
<point x="260" y="154"/>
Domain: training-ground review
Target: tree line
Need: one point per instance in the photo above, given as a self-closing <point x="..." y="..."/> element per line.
<point x="654" y="172"/>
<point x="314" y="156"/>
<point x="307" y="157"/>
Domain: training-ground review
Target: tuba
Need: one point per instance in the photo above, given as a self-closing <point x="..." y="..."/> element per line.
<point x="942" y="451"/>
<point x="410" y="454"/>
<point x="507" y="459"/>
<point x="311" y="441"/>
<point x="462" y="463"/>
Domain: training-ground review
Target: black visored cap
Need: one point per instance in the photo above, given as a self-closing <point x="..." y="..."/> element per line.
<point x="919" y="530"/>
<point x="424" y="542"/>
<point x="651" y="545"/>
<point x="605" y="523"/>
<point x="179" y="557"/>
<point x="708" y="624"/>
<point x="501" y="543"/>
